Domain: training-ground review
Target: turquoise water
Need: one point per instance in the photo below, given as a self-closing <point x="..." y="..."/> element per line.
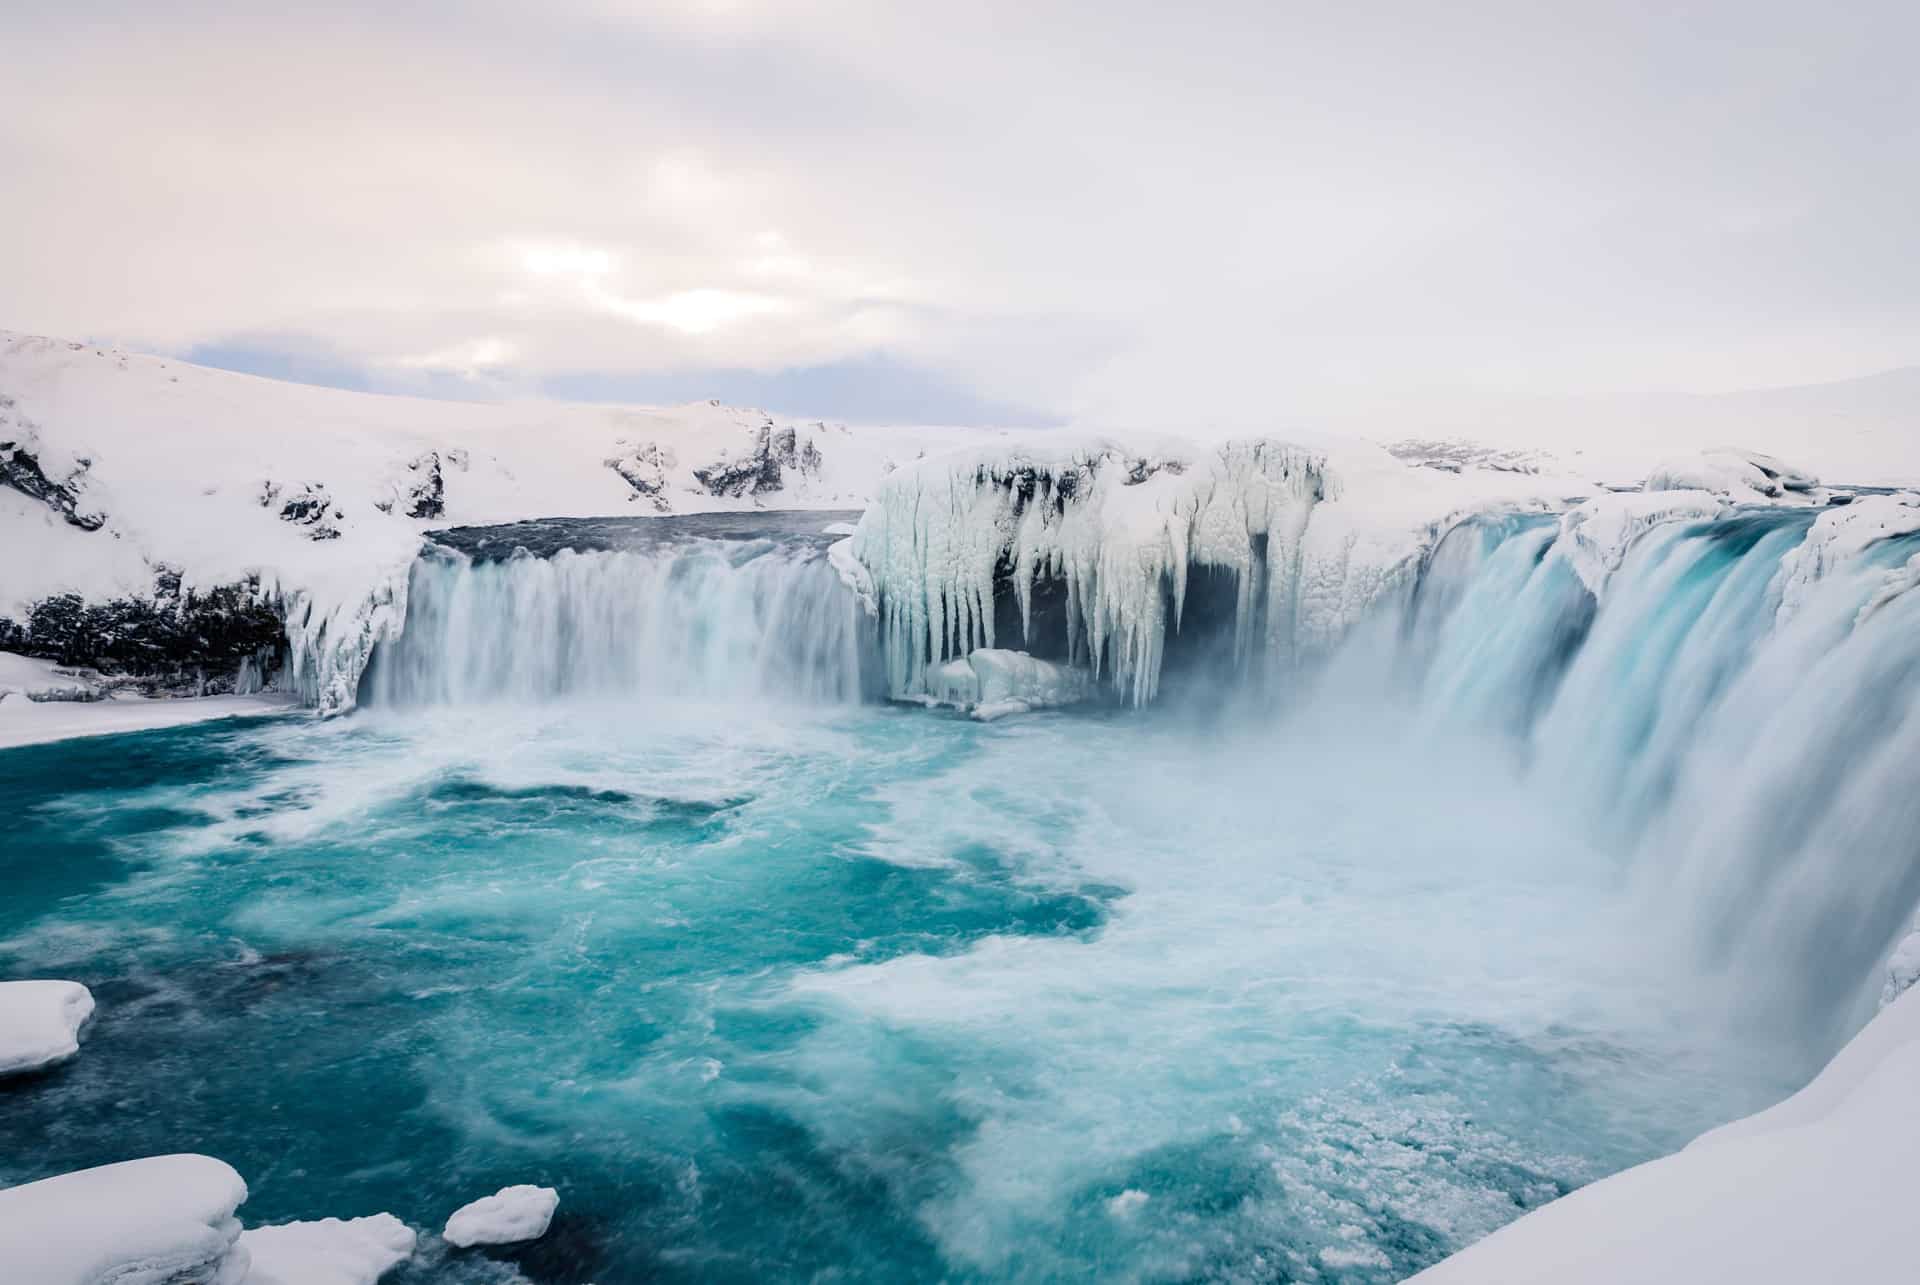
<point x="850" y="992"/>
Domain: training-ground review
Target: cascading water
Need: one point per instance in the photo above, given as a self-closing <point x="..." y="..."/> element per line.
<point x="690" y="619"/>
<point x="1742" y="723"/>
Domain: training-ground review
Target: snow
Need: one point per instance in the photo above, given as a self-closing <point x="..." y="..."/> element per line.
<point x="1816" y="1188"/>
<point x="25" y="721"/>
<point x="1738" y="474"/>
<point x="1903" y="967"/>
<point x="993" y="682"/>
<point x="40" y="1023"/>
<point x="510" y="1215"/>
<point x="331" y="1251"/>
<point x="162" y="1220"/>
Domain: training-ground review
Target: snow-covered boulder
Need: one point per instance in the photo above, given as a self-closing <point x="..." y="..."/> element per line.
<point x="992" y="682"/>
<point x="1737" y="474"/>
<point x="1595" y="535"/>
<point x="509" y="1216"/>
<point x="40" y="1023"/>
<point x="164" y="1220"/>
<point x="330" y="1251"/>
<point x="1818" y="1188"/>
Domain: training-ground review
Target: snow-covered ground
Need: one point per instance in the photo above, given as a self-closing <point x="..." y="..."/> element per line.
<point x="25" y="721"/>
<point x="155" y="1221"/>
<point x="1814" y="1189"/>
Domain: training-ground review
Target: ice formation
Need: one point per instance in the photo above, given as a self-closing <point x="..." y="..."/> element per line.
<point x="40" y="1023"/>
<point x="507" y="1217"/>
<point x="163" y="1220"/>
<point x="1595" y="536"/>
<point x="992" y="682"/>
<point x="1121" y="533"/>
<point x="329" y="1251"/>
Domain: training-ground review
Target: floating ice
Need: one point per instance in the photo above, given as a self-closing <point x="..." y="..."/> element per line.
<point x="40" y="1023"/>
<point x="510" y="1215"/>
<point x="330" y="1251"/>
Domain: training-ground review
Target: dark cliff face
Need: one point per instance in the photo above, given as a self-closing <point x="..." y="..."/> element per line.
<point x="178" y="640"/>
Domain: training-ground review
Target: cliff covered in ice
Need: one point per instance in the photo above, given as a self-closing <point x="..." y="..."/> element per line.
<point x="1087" y="552"/>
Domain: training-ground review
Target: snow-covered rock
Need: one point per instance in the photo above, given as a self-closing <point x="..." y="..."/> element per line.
<point x="992" y="682"/>
<point x="1818" y="1188"/>
<point x="164" y="1220"/>
<point x="40" y="1023"/>
<point x="330" y="1251"/>
<point x="509" y="1216"/>
<point x="1737" y="474"/>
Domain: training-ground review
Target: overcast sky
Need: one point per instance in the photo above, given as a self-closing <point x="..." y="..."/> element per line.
<point x="1108" y="212"/>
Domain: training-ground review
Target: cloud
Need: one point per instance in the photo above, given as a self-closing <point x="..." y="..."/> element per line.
<point x="1123" y="212"/>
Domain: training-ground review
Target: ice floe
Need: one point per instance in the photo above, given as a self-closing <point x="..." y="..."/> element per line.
<point x="40" y="1023"/>
<point x="507" y="1217"/>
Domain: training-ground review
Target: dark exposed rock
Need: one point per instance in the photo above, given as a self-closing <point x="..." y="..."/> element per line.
<point x="310" y="506"/>
<point x="763" y="469"/>
<point x="1139" y="470"/>
<point x="644" y="468"/>
<point x="177" y="640"/>
<point x="20" y="468"/>
<point x="427" y="493"/>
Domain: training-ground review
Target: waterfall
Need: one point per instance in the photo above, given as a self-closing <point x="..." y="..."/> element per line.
<point x="1737" y="711"/>
<point x="700" y="619"/>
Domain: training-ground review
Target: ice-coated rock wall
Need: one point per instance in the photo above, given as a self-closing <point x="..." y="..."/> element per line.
<point x="1121" y="533"/>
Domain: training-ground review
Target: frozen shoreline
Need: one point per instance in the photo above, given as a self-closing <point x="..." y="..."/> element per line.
<point x="30" y="722"/>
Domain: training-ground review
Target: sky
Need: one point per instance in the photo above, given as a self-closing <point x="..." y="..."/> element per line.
<point x="1115" y="213"/>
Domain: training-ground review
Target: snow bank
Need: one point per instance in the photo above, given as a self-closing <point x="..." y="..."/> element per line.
<point x="82" y="708"/>
<point x="331" y="1251"/>
<point x="510" y="1215"/>
<point x="40" y="1023"/>
<point x="992" y="682"/>
<point x="1817" y="1188"/>
<point x="163" y="1220"/>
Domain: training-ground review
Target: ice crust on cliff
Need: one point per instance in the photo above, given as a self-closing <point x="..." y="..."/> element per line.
<point x="1311" y="534"/>
<point x="40" y="1023"/>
